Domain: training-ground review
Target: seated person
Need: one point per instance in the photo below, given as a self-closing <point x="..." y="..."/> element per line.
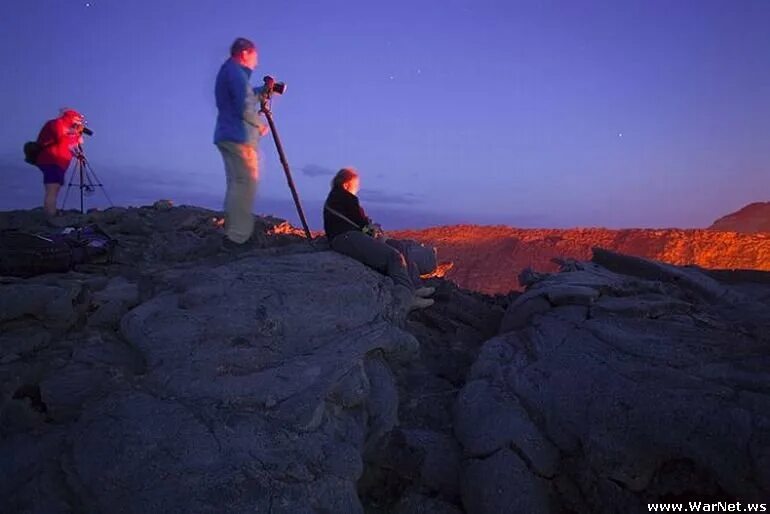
<point x="348" y="228"/>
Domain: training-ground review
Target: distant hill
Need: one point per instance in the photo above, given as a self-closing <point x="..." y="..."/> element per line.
<point x="755" y="217"/>
<point x="489" y="258"/>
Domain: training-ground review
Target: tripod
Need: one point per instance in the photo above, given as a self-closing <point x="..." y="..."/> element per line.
<point x="265" y="108"/>
<point x="88" y="180"/>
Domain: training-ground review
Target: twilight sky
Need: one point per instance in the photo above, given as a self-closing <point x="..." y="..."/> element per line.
<point x="534" y="114"/>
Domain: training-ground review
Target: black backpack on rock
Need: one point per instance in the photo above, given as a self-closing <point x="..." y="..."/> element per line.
<point x="89" y="244"/>
<point x="25" y="255"/>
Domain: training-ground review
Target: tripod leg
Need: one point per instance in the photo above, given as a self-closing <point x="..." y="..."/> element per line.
<point x="94" y="180"/>
<point x="286" y="170"/>
<point x="82" y="186"/>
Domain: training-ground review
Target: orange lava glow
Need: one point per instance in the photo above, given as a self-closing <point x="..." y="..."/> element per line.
<point x="441" y="270"/>
<point x="489" y="259"/>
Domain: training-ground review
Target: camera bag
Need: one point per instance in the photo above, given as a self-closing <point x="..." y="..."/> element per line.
<point x="89" y="244"/>
<point x="32" y="151"/>
<point x="23" y="254"/>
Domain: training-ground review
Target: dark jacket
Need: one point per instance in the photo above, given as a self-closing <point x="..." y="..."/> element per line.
<point x="346" y="204"/>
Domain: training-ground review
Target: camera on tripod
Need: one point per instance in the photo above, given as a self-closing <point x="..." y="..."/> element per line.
<point x="80" y="128"/>
<point x="271" y="86"/>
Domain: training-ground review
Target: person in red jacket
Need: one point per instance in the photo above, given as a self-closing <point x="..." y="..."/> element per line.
<point x="58" y="138"/>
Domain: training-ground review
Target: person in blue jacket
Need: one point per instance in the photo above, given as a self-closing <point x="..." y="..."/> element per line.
<point x="238" y="130"/>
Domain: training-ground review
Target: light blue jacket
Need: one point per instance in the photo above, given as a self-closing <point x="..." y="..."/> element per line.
<point x="238" y="120"/>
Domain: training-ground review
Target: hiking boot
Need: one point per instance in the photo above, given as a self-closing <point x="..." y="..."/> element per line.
<point x="420" y="303"/>
<point x="231" y="246"/>
<point x="56" y="221"/>
<point x="424" y="292"/>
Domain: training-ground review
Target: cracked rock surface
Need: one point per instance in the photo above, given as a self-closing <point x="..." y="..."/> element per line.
<point x="195" y="381"/>
<point x="619" y="382"/>
<point x="284" y="378"/>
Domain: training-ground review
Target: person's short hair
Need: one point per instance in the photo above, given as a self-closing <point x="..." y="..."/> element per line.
<point x="68" y="112"/>
<point x="344" y="176"/>
<point x="241" y="44"/>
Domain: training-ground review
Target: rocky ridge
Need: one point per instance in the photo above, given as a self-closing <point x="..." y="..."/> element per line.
<point x="285" y="378"/>
<point x="754" y="217"/>
<point x="616" y="383"/>
<point x="489" y="259"/>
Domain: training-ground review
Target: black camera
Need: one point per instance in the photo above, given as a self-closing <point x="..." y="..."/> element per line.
<point x="274" y="87"/>
<point x="81" y="128"/>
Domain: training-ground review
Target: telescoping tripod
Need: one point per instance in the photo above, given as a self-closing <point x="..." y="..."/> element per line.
<point x="88" y="181"/>
<point x="267" y="94"/>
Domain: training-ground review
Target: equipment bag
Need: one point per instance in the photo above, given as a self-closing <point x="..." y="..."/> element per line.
<point x="24" y="255"/>
<point x="32" y="151"/>
<point x="89" y="244"/>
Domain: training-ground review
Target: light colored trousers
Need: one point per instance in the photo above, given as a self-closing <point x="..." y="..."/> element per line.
<point x="242" y="171"/>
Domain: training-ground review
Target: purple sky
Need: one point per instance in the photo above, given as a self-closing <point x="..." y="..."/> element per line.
<point x="553" y="114"/>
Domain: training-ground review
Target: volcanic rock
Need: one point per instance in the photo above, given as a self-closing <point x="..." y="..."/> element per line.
<point x="754" y="217"/>
<point x="185" y="377"/>
<point x="489" y="259"/>
<point x="647" y="383"/>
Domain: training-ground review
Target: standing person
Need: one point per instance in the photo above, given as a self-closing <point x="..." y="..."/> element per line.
<point x="238" y="129"/>
<point x="58" y="140"/>
<point x="347" y="228"/>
